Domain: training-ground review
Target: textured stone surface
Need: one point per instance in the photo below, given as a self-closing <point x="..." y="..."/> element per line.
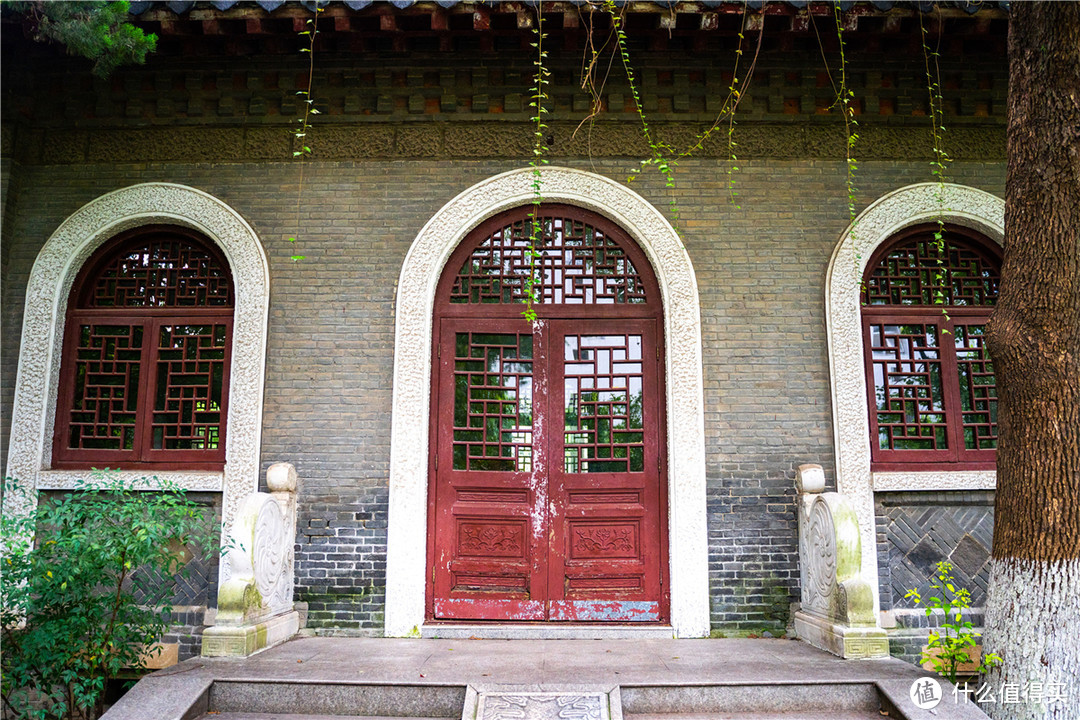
<point x="917" y="530"/>
<point x="543" y="705"/>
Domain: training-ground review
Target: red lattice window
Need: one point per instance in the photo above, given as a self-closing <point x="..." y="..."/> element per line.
<point x="929" y="377"/>
<point x="580" y="263"/>
<point x="145" y="372"/>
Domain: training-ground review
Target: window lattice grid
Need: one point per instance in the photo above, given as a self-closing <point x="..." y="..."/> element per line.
<point x="603" y="382"/>
<point x="579" y="264"/>
<point x="908" y="392"/>
<point x="106" y="387"/>
<point x="189" y="387"/>
<point x="163" y="272"/>
<point x="978" y="391"/>
<point x="915" y="273"/>
<point x="493" y="391"/>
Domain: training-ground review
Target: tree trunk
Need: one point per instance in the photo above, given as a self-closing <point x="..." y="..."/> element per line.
<point x="1033" y="606"/>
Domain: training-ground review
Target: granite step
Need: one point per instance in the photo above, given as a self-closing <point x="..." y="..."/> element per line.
<point x="842" y="715"/>
<point x="295" y="716"/>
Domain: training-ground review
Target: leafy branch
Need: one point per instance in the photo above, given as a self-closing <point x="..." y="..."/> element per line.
<point x="99" y="31"/>
<point x="303" y="149"/>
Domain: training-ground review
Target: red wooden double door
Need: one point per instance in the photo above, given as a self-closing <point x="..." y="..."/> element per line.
<point x="548" y="500"/>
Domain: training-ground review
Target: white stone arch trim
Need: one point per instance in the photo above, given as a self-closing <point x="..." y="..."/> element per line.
<point x="688" y="545"/>
<point x="912" y="205"/>
<point x="54" y="271"/>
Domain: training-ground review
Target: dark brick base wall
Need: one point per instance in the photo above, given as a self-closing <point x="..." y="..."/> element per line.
<point x="916" y="530"/>
<point x="761" y="277"/>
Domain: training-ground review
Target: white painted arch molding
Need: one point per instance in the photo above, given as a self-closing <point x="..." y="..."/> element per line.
<point x="912" y="205"/>
<point x="406" y="551"/>
<point x="54" y="271"/>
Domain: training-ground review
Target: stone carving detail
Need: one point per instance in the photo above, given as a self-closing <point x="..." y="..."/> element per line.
<point x="837" y="611"/>
<point x="255" y="603"/>
<point x="406" y="560"/>
<point x="820" y="556"/>
<point x="269" y="553"/>
<point x="860" y="648"/>
<point x="542" y="706"/>
<point x="49" y="286"/>
<point x="397" y="140"/>
<point x="912" y="205"/>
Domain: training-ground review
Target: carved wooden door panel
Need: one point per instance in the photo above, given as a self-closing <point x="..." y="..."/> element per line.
<point x="605" y="556"/>
<point x="490" y="550"/>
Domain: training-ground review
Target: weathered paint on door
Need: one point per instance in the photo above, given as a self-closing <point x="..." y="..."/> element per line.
<point x="547" y="498"/>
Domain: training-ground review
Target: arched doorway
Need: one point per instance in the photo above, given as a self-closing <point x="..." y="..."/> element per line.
<point x="548" y="497"/>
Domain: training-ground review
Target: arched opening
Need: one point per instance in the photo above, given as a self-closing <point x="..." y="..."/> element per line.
<point x="408" y="571"/>
<point x="45" y="316"/>
<point x="547" y="461"/>
<point x="927" y="296"/>
<point x="963" y="208"/>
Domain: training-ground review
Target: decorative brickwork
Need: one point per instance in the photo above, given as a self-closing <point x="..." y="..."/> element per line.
<point x="917" y="530"/>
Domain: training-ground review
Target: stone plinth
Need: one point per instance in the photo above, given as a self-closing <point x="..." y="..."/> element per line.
<point x="255" y="609"/>
<point x="837" y="609"/>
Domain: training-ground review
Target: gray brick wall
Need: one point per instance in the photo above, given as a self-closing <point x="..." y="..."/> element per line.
<point x="760" y="271"/>
<point x="375" y="182"/>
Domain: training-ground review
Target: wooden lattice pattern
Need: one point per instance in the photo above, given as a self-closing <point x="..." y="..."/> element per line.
<point x="579" y="264"/>
<point x="910" y="401"/>
<point x="915" y="273"/>
<point x="978" y="391"/>
<point x="493" y="384"/>
<point x="189" y="388"/>
<point x="106" y="387"/>
<point x="603" y="380"/>
<point x="165" y="271"/>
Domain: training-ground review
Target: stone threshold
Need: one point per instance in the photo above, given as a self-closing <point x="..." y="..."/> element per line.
<point x="537" y="631"/>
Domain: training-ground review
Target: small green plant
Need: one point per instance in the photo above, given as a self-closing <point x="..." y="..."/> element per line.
<point x="956" y="639"/>
<point x="86" y="582"/>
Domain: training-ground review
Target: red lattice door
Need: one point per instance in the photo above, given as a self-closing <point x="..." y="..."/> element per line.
<point x="548" y="493"/>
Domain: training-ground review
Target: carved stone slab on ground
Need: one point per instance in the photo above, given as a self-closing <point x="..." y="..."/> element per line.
<point x="531" y="703"/>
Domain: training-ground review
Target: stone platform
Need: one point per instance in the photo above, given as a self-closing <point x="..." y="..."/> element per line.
<point x="645" y="679"/>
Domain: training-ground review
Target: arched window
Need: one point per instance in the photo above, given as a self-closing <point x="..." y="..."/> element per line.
<point x="145" y="371"/>
<point x="930" y="380"/>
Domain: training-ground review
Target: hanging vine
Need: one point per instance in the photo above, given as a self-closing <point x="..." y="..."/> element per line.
<point x="302" y="149"/>
<point x="845" y="100"/>
<point x="661" y="154"/>
<point x="941" y="160"/>
<point x="538" y="101"/>
<point x="657" y="150"/>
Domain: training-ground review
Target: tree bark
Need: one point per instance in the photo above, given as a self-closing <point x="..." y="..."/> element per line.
<point x="1033" y="606"/>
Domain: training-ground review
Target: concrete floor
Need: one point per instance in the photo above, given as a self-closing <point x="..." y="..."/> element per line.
<point x="545" y="664"/>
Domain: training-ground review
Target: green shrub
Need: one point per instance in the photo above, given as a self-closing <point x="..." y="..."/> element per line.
<point x="86" y="581"/>
<point x="955" y="639"/>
